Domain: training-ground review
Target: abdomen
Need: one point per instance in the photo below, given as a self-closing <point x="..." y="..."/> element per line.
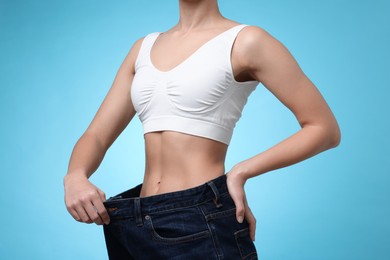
<point x="177" y="161"/>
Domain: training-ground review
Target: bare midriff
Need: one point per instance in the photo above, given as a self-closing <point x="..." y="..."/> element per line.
<point x="177" y="161"/>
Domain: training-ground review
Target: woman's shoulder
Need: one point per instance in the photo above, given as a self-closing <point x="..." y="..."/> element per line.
<point x="137" y="45"/>
<point x="252" y="38"/>
<point x="139" y="41"/>
<point x="253" y="33"/>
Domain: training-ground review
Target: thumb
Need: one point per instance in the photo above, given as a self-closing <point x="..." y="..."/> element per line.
<point x="237" y="193"/>
<point x="240" y="209"/>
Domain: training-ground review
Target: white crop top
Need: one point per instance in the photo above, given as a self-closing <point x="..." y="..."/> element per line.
<point x="198" y="97"/>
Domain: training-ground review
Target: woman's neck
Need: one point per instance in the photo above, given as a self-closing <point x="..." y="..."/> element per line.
<point x="198" y="14"/>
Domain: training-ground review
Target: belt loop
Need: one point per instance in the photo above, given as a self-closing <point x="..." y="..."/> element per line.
<point x="216" y="193"/>
<point x="137" y="211"/>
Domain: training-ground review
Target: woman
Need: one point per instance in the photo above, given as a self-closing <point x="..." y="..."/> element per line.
<point x="189" y="86"/>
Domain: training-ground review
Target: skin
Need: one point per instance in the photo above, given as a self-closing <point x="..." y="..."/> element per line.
<point x="177" y="161"/>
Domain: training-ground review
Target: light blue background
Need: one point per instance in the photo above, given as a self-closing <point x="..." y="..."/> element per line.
<point x="59" y="58"/>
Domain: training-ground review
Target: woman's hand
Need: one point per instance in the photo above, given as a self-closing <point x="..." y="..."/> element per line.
<point x="84" y="200"/>
<point x="235" y="183"/>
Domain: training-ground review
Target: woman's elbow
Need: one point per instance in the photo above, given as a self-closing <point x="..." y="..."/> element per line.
<point x="334" y="135"/>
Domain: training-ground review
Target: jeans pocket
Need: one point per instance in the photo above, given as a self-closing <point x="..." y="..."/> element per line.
<point x="245" y="244"/>
<point x="177" y="226"/>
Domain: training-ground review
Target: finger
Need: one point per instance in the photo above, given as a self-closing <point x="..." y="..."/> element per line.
<point x="92" y="210"/>
<point x="83" y="214"/>
<point x="94" y="215"/>
<point x="240" y="207"/>
<point x="74" y="214"/>
<point x="101" y="211"/>
<point x="238" y="196"/>
<point x="251" y="220"/>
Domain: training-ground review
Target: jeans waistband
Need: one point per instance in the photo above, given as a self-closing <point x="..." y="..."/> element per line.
<point x="129" y="203"/>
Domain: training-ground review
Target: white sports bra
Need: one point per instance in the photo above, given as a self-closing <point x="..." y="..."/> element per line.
<point x="198" y="97"/>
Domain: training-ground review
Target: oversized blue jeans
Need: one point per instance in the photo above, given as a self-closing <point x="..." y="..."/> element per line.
<point x="196" y="223"/>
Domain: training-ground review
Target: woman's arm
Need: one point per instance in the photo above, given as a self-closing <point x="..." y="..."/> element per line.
<point x="83" y="200"/>
<point x="269" y="62"/>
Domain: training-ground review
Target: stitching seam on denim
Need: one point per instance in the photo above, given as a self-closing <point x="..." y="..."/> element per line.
<point x="182" y="239"/>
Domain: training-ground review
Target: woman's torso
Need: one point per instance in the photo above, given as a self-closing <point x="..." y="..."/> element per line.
<point x="175" y="160"/>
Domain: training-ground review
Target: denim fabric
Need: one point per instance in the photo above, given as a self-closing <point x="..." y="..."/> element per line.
<point x="197" y="223"/>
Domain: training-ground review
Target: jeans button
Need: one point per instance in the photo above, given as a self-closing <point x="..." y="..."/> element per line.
<point x="147" y="217"/>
